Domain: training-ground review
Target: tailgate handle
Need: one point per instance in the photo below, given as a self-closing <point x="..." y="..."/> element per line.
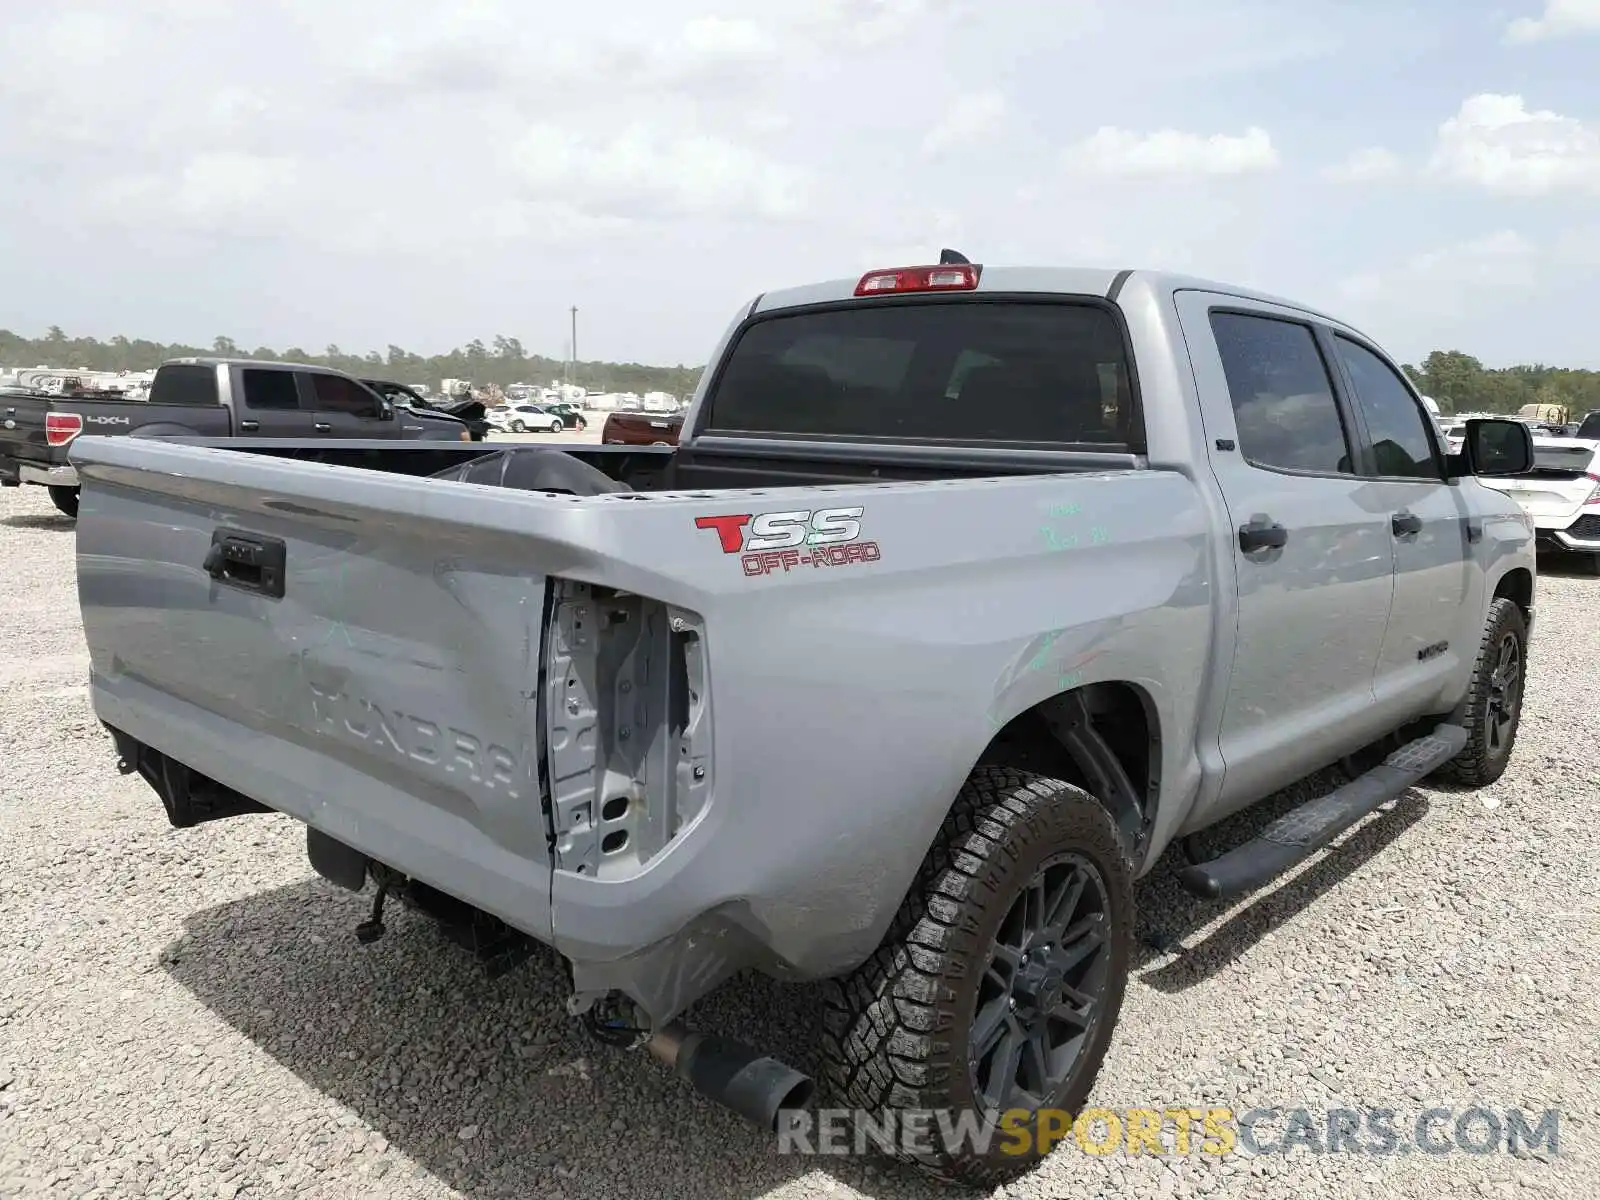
<point x="247" y="561"/>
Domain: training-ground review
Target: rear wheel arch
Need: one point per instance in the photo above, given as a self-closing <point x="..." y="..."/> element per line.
<point x="1104" y="738"/>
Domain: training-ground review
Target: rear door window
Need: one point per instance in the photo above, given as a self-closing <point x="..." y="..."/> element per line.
<point x="1282" y="394"/>
<point x="265" y="388"/>
<point x="960" y="371"/>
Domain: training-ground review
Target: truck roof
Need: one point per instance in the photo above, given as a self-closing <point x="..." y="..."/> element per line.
<point x="1060" y="281"/>
<point x="210" y="360"/>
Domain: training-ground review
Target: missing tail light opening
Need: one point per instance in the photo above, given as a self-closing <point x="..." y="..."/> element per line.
<point x="628" y="734"/>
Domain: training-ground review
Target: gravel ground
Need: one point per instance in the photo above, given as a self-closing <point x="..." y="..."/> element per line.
<point x="188" y="1014"/>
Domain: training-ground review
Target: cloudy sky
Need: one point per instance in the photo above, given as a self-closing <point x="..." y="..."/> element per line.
<point x="363" y="172"/>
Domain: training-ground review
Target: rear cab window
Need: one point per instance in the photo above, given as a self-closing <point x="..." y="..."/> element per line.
<point x="963" y="371"/>
<point x="188" y="384"/>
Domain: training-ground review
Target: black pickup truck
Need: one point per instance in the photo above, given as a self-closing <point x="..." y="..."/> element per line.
<point x="204" y="398"/>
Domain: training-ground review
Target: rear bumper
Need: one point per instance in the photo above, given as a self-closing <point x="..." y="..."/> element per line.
<point x="1580" y="536"/>
<point x="63" y="476"/>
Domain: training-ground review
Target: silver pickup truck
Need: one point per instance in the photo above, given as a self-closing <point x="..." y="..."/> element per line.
<point x="966" y="594"/>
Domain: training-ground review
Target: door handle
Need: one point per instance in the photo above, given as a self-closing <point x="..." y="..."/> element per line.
<point x="322" y="427"/>
<point x="1405" y="524"/>
<point x="1260" y="535"/>
<point x="249" y="426"/>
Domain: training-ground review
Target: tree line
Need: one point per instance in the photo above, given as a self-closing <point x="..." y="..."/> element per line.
<point x="1458" y="381"/>
<point x="503" y="361"/>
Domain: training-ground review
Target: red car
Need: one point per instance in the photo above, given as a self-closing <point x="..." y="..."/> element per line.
<point x="642" y="429"/>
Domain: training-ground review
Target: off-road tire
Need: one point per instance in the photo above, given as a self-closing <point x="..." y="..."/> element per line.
<point x="65" y="499"/>
<point x="1481" y="763"/>
<point x="896" y="1031"/>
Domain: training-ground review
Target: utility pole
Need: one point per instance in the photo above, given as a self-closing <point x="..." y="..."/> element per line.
<point x="574" y="344"/>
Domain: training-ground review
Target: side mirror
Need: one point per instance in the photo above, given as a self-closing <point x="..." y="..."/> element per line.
<point x="1495" y="447"/>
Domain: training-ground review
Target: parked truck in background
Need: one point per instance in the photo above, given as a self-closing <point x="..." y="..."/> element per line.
<point x="206" y="398"/>
<point x="641" y="429"/>
<point x="965" y="595"/>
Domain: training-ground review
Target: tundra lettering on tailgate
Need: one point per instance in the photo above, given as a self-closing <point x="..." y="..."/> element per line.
<point x="452" y="751"/>
<point x="765" y="542"/>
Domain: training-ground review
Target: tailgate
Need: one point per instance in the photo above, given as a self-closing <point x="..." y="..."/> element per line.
<point x="22" y="428"/>
<point x="368" y="660"/>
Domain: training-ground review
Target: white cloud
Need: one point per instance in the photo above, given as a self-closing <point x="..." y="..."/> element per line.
<point x="1561" y="18"/>
<point x="968" y="119"/>
<point x="719" y="39"/>
<point x="222" y="192"/>
<point x="647" y="171"/>
<point x="475" y="170"/>
<point x="1372" y="164"/>
<point x="1113" y="151"/>
<point x="1497" y="143"/>
<point x="1448" y="284"/>
<point x="870" y="24"/>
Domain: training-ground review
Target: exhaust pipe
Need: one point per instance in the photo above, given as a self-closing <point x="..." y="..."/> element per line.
<point x="757" y="1087"/>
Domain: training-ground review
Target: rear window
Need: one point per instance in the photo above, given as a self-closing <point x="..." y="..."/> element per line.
<point x="961" y="371"/>
<point x="187" y="384"/>
<point x="1563" y="460"/>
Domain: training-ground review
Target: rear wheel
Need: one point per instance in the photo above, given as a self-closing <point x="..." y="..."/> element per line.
<point x="65" y="498"/>
<point x="581" y="425"/>
<point x="999" y="982"/>
<point x="1492" y="711"/>
<point x="556" y="426"/>
<point x="518" y="427"/>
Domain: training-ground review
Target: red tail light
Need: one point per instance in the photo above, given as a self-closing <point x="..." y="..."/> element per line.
<point x="1594" y="496"/>
<point x="951" y="277"/>
<point x="61" y="428"/>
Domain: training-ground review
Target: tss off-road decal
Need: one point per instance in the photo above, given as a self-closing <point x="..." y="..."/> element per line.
<point x="765" y="542"/>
